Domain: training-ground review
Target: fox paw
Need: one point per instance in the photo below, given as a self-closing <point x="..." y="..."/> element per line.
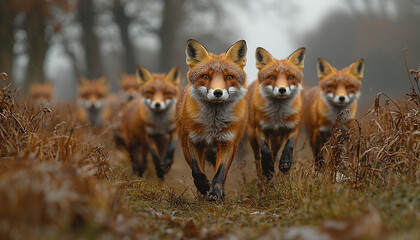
<point x="166" y="167"/>
<point x="216" y="194"/>
<point x="285" y="167"/>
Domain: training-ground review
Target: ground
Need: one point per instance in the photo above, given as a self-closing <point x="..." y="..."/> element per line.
<point x="59" y="179"/>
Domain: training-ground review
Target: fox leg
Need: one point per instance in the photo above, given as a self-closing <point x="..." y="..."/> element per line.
<point x="156" y="162"/>
<point x="320" y="139"/>
<point x="267" y="161"/>
<point x="225" y="156"/>
<point x="168" y="159"/>
<point x="154" y="150"/>
<point x="196" y="161"/>
<point x="286" y="158"/>
<point x="138" y="157"/>
<point x="256" y="148"/>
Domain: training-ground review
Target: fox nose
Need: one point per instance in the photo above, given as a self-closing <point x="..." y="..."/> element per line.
<point x="341" y="98"/>
<point x="282" y="90"/>
<point x="157" y="105"/>
<point x="218" y="93"/>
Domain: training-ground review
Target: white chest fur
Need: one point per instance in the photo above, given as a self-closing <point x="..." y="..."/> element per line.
<point x="216" y="118"/>
<point x="277" y="112"/>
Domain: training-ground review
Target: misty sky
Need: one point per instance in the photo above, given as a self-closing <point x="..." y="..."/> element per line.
<point x="264" y="24"/>
<point x="279" y="39"/>
<point x="259" y="30"/>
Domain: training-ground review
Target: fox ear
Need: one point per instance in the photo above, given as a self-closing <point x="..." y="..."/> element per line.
<point x="323" y="67"/>
<point x="122" y="76"/>
<point x="103" y="80"/>
<point x="262" y="57"/>
<point x="357" y="68"/>
<point x="83" y="80"/>
<point x="237" y="53"/>
<point x="298" y="57"/>
<point x="195" y="52"/>
<point x="142" y="74"/>
<point x="174" y="75"/>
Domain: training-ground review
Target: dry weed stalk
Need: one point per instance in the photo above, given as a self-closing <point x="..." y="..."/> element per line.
<point x="385" y="144"/>
<point x="51" y="181"/>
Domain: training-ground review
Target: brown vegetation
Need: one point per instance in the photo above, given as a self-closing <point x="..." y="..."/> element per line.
<point x="59" y="180"/>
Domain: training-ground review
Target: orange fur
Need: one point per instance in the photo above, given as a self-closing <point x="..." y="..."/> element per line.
<point x="92" y="102"/>
<point x="274" y="102"/>
<point x="337" y="90"/>
<point x="147" y="122"/>
<point x="129" y="85"/>
<point x="41" y="93"/>
<point x="211" y="114"/>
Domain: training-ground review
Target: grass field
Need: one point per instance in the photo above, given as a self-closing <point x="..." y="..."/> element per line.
<point x="60" y="180"/>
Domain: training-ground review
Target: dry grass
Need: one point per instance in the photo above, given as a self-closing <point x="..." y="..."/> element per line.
<point x="61" y="180"/>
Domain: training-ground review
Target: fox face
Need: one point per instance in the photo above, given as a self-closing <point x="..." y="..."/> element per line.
<point x="129" y="85"/>
<point x="159" y="91"/>
<point x="42" y="93"/>
<point x="340" y="88"/>
<point x="216" y="79"/>
<point x="92" y="94"/>
<point x="280" y="78"/>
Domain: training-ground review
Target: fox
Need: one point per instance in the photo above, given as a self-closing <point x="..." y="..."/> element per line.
<point x="211" y="114"/>
<point x="147" y="123"/>
<point x="92" y="106"/>
<point x="41" y="94"/>
<point x="274" y="106"/>
<point x="337" y="90"/>
<point x="129" y="87"/>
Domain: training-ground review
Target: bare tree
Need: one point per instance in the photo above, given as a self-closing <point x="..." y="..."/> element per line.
<point x="172" y="20"/>
<point x="35" y="27"/>
<point x="91" y="42"/>
<point x="123" y="21"/>
<point x="7" y="16"/>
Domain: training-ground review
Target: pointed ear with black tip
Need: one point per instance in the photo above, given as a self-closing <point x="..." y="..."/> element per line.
<point x="297" y="58"/>
<point x="324" y="68"/>
<point x="83" y="80"/>
<point x="195" y="53"/>
<point x="143" y="75"/>
<point x="237" y="53"/>
<point x="262" y="57"/>
<point x="174" y="75"/>
<point x="357" y="68"/>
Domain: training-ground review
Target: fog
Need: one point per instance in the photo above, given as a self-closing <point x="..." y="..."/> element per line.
<point x="154" y="33"/>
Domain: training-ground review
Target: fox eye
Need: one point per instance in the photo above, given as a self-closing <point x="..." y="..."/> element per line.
<point x="229" y="77"/>
<point x="331" y="86"/>
<point x="167" y="93"/>
<point x="350" y="87"/>
<point x="291" y="77"/>
<point x="272" y="77"/>
<point x="149" y="93"/>
<point x="205" y="77"/>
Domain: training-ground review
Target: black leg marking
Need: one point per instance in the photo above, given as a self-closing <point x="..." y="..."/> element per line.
<point x="200" y="179"/>
<point x="217" y="191"/>
<point x="156" y="161"/>
<point x="286" y="158"/>
<point x="169" y="157"/>
<point x="267" y="162"/>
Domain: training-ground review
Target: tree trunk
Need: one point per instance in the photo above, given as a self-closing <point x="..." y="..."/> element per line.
<point x="172" y="19"/>
<point x="6" y="39"/>
<point x="35" y="27"/>
<point x="123" y="22"/>
<point x="91" y="42"/>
